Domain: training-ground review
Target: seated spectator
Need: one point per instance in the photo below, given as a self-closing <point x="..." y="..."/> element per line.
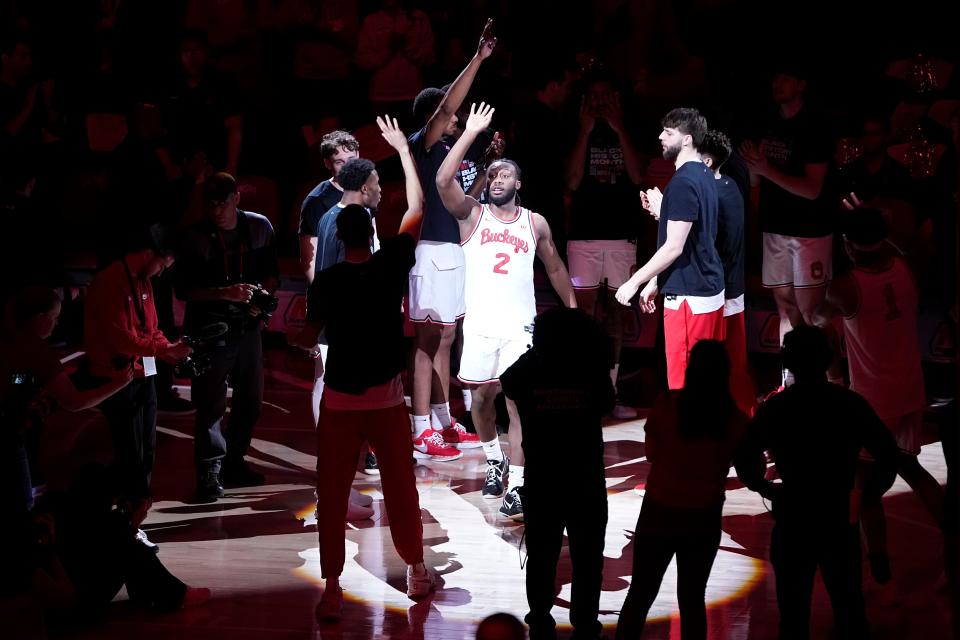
<point x="201" y="112"/>
<point x="691" y="436"/>
<point x="562" y="391"/>
<point x="395" y="44"/>
<point x="814" y="431"/>
<point x="32" y="383"/>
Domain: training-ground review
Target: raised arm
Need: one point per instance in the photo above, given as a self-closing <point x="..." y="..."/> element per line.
<point x="578" y="156"/>
<point x="556" y="271"/>
<point x="459" y="204"/>
<point x="391" y="132"/>
<point x="457" y="92"/>
<point x="613" y="112"/>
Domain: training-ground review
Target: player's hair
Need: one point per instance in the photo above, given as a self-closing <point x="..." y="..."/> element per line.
<point x="354" y="173"/>
<point x="717" y="145"/>
<point x="336" y="140"/>
<point x="705" y="404"/>
<point x="426" y="103"/>
<point x="516" y="167"/>
<point x="688" y="122"/>
<point x="806" y="351"/>
<point x="354" y="227"/>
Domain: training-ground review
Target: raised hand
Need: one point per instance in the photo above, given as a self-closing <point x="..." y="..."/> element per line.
<point x="495" y="150"/>
<point x="613" y="112"/>
<point x="487" y="41"/>
<point x="853" y="202"/>
<point x="654" y="198"/>
<point x="391" y="132"/>
<point x="587" y="119"/>
<point x="479" y="118"/>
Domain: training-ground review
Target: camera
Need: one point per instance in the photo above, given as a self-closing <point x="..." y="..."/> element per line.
<point x="203" y="342"/>
<point x="266" y="302"/>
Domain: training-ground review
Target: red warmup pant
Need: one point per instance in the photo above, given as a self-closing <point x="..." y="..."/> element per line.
<point x="340" y="435"/>
<point x="681" y="330"/>
<point x="741" y="385"/>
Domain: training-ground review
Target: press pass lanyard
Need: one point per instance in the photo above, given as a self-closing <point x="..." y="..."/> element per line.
<point x="226" y="261"/>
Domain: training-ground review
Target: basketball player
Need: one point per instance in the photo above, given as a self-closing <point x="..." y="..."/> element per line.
<point x="437" y="280"/>
<point x="878" y="301"/>
<point x="499" y="242"/>
<point x="685" y="266"/>
<point x="715" y="151"/>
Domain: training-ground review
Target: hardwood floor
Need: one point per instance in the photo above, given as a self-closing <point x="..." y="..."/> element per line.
<point x="257" y="549"/>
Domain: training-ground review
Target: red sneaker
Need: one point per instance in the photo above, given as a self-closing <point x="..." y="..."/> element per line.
<point x="431" y="446"/>
<point x="456" y="435"/>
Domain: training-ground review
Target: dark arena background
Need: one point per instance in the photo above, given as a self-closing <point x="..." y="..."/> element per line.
<point x="171" y="256"/>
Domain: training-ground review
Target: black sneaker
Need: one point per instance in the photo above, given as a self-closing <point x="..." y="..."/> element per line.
<point x="175" y="406"/>
<point x="209" y="487"/>
<point x="511" y="507"/>
<point x="370" y="465"/>
<point x="239" y="474"/>
<point x="496" y="474"/>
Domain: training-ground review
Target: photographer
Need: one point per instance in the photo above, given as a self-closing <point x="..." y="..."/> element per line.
<point x="120" y="332"/>
<point x="228" y="274"/>
<point x="31" y="375"/>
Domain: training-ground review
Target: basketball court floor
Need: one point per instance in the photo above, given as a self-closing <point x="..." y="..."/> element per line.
<point x="256" y="549"/>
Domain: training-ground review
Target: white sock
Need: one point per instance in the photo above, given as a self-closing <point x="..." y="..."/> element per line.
<point x="614" y="374"/>
<point x="492" y="450"/>
<point x="420" y="424"/>
<point x="516" y="476"/>
<point x="467" y="399"/>
<point x="788" y="378"/>
<point x="441" y="415"/>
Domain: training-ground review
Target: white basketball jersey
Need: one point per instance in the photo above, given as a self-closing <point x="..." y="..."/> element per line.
<point x="882" y="341"/>
<point x="499" y="293"/>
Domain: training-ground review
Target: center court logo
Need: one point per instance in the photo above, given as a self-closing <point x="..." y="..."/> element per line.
<point x="504" y="237"/>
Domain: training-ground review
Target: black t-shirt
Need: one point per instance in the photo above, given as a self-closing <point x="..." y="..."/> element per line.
<point x="606" y="206"/>
<point x="790" y="145"/>
<point x="730" y="237"/>
<point x="27" y="364"/>
<point x="815" y="431"/>
<point x="438" y="225"/>
<point x="321" y="199"/>
<point x="210" y="257"/>
<point x="561" y="409"/>
<point x="359" y="306"/>
<point x="691" y="196"/>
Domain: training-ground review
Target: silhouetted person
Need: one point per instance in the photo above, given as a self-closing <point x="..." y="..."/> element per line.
<point x="501" y="626"/>
<point x="814" y="431"/>
<point x="562" y="390"/>
<point x="691" y="436"/>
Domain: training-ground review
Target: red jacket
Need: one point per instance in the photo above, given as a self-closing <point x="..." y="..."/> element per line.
<point x="112" y="327"/>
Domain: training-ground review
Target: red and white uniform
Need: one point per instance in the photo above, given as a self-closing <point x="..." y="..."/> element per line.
<point x="882" y="343"/>
<point x="499" y="294"/>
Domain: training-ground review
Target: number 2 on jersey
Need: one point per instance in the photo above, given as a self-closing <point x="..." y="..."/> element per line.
<point x="499" y="267"/>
